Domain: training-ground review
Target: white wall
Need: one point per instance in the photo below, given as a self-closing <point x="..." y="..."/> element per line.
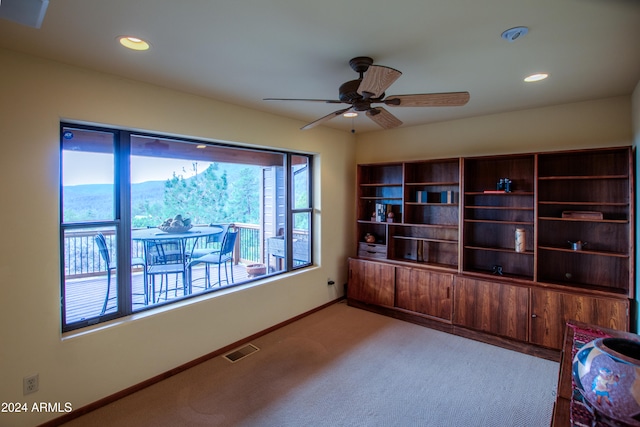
<point x="80" y="369"/>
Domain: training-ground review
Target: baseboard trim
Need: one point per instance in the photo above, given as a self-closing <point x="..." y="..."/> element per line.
<point x="151" y="381"/>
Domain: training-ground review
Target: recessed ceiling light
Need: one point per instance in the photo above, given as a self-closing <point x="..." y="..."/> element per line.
<point x="201" y="146"/>
<point x="513" y="34"/>
<point x="134" y="43"/>
<point x="350" y="114"/>
<point x="536" y="77"/>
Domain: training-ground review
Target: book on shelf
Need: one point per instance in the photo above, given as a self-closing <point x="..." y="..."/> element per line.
<point x="447" y="197"/>
<point x="381" y="212"/>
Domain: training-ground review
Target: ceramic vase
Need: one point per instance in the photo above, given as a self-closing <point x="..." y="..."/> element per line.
<point x="606" y="371"/>
<point x="520" y="240"/>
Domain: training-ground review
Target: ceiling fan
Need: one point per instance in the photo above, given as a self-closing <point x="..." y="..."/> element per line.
<point x="369" y="89"/>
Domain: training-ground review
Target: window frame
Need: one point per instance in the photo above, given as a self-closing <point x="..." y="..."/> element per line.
<point x="122" y="221"/>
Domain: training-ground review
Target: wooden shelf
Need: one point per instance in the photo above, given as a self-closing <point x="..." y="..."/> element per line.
<point x="431" y="204"/>
<point x="425" y="239"/>
<point x="485" y="221"/>
<point x="505" y="250"/>
<point x="580" y="177"/>
<point x="431" y="184"/>
<point x="498" y="208"/>
<point x="382" y="185"/>
<point x="604" y="221"/>
<point x="584" y="252"/>
<point x="501" y="194"/>
<point x="591" y="203"/>
<point x="440" y="259"/>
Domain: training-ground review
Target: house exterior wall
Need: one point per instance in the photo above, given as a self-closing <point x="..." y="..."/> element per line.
<point x="88" y="365"/>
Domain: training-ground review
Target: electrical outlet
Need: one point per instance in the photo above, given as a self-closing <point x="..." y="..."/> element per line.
<point x="30" y="384"/>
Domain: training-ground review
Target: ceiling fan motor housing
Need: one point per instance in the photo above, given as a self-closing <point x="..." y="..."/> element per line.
<point x="348" y="91"/>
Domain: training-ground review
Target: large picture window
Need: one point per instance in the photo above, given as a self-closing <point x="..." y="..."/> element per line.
<point x="148" y="220"/>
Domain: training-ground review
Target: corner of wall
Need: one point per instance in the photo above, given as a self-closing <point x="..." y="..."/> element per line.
<point x="635" y="122"/>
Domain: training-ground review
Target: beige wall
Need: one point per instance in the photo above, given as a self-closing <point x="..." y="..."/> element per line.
<point x="36" y="95"/>
<point x="598" y="123"/>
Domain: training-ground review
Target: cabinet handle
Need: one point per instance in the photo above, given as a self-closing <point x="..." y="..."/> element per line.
<point x="534" y="316"/>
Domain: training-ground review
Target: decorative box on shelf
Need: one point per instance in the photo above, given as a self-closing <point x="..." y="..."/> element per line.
<point x="582" y="215"/>
<point x="372" y="250"/>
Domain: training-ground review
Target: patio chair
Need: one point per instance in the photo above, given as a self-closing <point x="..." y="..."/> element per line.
<point x="212" y="243"/>
<point x="219" y="258"/>
<point x="165" y="257"/>
<point x="101" y="242"/>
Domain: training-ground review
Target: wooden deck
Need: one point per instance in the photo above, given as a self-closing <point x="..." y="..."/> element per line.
<point x="85" y="296"/>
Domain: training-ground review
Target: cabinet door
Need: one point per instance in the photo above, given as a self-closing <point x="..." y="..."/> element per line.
<point x="550" y="310"/>
<point x="371" y="282"/>
<point x="497" y="308"/>
<point x="423" y="291"/>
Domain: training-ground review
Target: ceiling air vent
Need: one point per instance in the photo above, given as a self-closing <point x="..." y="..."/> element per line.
<point x="241" y="353"/>
<point x="25" y="12"/>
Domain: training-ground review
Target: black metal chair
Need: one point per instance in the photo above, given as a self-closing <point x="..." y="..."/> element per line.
<point x="101" y="242"/>
<point x="212" y="243"/>
<point x="219" y="258"/>
<point x="165" y="257"/>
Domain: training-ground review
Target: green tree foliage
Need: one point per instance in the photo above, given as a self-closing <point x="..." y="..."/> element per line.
<point x="244" y="196"/>
<point x="207" y="197"/>
<point x="220" y="193"/>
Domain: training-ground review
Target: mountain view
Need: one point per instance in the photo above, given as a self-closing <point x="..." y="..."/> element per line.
<point x="221" y="193"/>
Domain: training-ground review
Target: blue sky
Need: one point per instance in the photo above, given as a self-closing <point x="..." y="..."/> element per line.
<point x="97" y="168"/>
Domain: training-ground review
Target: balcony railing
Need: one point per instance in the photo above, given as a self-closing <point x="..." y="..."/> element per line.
<point x="82" y="258"/>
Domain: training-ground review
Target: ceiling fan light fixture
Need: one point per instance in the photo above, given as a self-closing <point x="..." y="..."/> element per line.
<point x="133" y="43"/>
<point x="350" y="114"/>
<point x="536" y="77"/>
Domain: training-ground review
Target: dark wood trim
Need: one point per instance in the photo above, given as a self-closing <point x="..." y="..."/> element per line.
<point x="151" y="381"/>
<point x="443" y="326"/>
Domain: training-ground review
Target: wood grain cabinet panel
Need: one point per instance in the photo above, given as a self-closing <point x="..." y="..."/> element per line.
<point x="497" y="308"/>
<point x="371" y="282"/>
<point x="550" y="310"/>
<point x="424" y="291"/>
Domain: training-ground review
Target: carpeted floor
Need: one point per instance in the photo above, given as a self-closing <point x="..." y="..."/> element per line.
<point x="347" y="367"/>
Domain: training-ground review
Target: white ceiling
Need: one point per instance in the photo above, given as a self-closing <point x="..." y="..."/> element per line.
<point x="241" y="51"/>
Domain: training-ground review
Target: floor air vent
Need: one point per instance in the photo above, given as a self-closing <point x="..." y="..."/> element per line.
<point x="241" y="353"/>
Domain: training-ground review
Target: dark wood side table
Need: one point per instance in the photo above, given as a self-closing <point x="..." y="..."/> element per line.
<point x="562" y="407"/>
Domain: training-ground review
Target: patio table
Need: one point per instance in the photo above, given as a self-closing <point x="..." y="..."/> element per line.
<point x="148" y="235"/>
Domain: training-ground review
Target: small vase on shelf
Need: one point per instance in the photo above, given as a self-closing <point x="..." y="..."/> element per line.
<point x="521" y="243"/>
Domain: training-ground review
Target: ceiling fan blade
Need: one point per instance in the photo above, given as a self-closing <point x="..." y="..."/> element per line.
<point x="383" y="118"/>
<point x="326" y="101"/>
<point x="449" y="99"/>
<point x="325" y="118"/>
<point x="376" y="80"/>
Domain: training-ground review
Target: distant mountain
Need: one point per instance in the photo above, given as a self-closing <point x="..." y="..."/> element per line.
<point x="95" y="201"/>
